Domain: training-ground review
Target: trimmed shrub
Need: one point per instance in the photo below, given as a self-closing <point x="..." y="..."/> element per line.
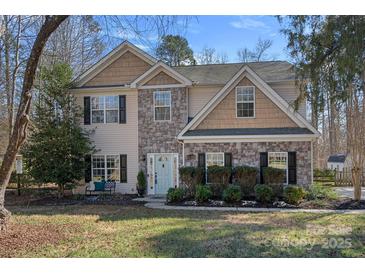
<point x="294" y="194"/>
<point x="175" y="195"/>
<point x="317" y="191"/>
<point x="245" y="176"/>
<point x="203" y="193"/>
<point x="141" y="183"/>
<point x="191" y="177"/>
<point x="232" y="194"/>
<point x="218" y="178"/>
<point x="274" y="177"/>
<point x="264" y="193"/>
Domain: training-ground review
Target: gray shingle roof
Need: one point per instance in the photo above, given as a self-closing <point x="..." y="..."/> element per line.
<point x="247" y="131"/>
<point x="221" y="73"/>
<point x="337" y="158"/>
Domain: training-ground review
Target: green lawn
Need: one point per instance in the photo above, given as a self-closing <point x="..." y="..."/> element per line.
<point x="135" y="231"/>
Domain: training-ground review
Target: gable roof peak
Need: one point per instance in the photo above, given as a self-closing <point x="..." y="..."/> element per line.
<point x="111" y="57"/>
<point x="246" y="71"/>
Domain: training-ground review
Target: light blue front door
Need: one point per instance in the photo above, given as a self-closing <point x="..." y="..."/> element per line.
<point x="163" y="173"/>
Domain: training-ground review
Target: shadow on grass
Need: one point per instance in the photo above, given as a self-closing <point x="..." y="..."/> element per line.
<point x="239" y="243"/>
<point x="167" y="233"/>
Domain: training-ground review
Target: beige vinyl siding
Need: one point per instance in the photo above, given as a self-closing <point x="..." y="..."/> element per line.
<point x="289" y="92"/>
<point x="199" y="96"/>
<point x="124" y="70"/>
<point x="161" y="79"/>
<point x="115" y="139"/>
<point x="267" y="114"/>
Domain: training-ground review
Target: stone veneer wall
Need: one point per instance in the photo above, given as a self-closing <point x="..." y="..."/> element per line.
<point x="160" y="136"/>
<point x="249" y="154"/>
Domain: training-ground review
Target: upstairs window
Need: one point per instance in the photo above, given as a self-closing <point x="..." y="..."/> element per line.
<point x="162" y="105"/>
<point x="245" y="102"/>
<point x="104" y="109"/>
<point x="97" y="110"/>
<point x="111" y="109"/>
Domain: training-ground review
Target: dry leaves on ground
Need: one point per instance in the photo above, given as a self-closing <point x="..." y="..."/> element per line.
<point x="26" y="237"/>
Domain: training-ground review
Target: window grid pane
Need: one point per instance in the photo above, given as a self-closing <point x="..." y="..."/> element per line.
<point x="215" y="159"/>
<point x="97" y="103"/>
<point x="111" y="102"/>
<point x="162" y="104"/>
<point x="98" y="164"/>
<point x="245" y="101"/>
<point x="107" y="106"/>
<point x="112" y="116"/>
<point x="278" y="160"/>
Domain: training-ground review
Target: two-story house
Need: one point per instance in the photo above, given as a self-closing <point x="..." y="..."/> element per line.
<point x="149" y="116"/>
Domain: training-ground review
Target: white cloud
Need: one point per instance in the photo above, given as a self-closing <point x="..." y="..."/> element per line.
<point x="248" y="23"/>
<point x="142" y="47"/>
<point x="273" y="34"/>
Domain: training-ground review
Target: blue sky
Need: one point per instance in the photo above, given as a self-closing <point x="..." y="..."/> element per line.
<point x="226" y="34"/>
<point x="229" y="33"/>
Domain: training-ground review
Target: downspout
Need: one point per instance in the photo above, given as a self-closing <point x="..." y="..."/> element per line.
<point x="183" y="151"/>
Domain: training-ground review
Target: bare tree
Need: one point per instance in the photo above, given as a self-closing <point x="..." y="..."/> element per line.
<point x="245" y="55"/>
<point x="355" y="135"/>
<point x="258" y="54"/>
<point x="210" y="56"/>
<point x="77" y="42"/>
<point x="19" y="134"/>
<point x="12" y="50"/>
<point x="261" y="48"/>
<point x="223" y="58"/>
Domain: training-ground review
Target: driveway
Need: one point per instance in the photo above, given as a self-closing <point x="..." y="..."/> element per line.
<point x="349" y="192"/>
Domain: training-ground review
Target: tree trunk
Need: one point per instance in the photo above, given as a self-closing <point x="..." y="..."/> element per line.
<point x="22" y="119"/>
<point x="355" y="135"/>
<point x="332" y="125"/>
<point x="9" y="98"/>
<point x="356" y="174"/>
<point x="314" y="120"/>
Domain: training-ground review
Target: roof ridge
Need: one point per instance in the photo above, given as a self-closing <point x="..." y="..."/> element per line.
<point x="237" y="63"/>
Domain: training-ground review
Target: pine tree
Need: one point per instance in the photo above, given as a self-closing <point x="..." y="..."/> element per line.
<point x="58" y="145"/>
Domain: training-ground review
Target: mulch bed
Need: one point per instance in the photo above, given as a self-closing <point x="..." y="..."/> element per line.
<point x="51" y="199"/>
<point x="315" y="204"/>
<point x="26" y="237"/>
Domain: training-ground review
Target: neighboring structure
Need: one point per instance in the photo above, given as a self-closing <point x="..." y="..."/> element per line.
<point x="152" y="117"/>
<point x="337" y="162"/>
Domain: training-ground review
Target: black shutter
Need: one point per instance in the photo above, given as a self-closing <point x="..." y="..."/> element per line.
<point x="87" y="110"/>
<point x="263" y="163"/>
<point x="228" y="159"/>
<point x="292" y="167"/>
<point x="201" y="160"/>
<point x="122" y="109"/>
<point x="123" y="168"/>
<point x="87" y="168"/>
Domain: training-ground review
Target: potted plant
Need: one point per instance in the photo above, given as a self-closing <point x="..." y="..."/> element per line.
<point x="141" y="183"/>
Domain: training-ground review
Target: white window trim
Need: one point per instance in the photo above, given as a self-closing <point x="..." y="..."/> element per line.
<point x="154" y="105"/>
<point x="287" y="170"/>
<point x="206" y="163"/>
<point x="254" y="102"/>
<point x="104" y="109"/>
<point x="105" y="166"/>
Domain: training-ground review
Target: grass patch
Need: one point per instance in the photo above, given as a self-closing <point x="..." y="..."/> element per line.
<point x="136" y="231"/>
